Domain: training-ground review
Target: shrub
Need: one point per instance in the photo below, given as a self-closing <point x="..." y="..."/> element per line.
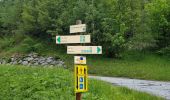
<point x="165" y="51"/>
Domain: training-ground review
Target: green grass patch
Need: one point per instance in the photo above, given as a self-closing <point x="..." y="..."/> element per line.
<point x="133" y="65"/>
<point x="39" y="83"/>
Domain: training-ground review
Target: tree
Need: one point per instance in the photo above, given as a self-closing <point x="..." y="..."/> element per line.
<point x="10" y="15"/>
<point x="114" y="24"/>
<point x="159" y="11"/>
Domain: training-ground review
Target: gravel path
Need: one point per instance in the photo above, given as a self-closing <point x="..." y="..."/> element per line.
<point x="153" y="87"/>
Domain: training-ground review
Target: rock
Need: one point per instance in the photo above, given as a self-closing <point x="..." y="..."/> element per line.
<point x="33" y="59"/>
<point x="49" y="60"/>
<point x="41" y="59"/>
<point x="44" y="63"/>
<point x="20" y="62"/>
<point x="53" y="63"/>
<point x="30" y="59"/>
<point x="3" y="62"/>
<point x="24" y="62"/>
<point x="12" y="59"/>
<point x="60" y="62"/>
<point x="15" y="62"/>
<point x="41" y="62"/>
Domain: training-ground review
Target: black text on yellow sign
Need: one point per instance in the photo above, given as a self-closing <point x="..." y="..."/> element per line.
<point x="81" y="78"/>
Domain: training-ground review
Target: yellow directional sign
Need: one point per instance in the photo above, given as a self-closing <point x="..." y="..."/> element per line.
<point x="81" y="78"/>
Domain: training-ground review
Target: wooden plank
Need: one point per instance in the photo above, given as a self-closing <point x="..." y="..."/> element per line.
<point x="78" y="28"/>
<point x="84" y="49"/>
<point x="73" y="39"/>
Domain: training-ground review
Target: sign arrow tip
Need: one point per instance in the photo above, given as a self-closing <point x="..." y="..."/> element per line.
<point x="59" y="39"/>
<point x="98" y="49"/>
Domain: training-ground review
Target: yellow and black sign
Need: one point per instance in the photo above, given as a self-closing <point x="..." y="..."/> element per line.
<point x="81" y="78"/>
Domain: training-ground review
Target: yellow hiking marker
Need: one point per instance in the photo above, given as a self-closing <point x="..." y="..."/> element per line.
<point x="81" y="78"/>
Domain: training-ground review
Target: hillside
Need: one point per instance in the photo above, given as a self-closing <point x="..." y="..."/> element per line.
<point x="133" y="64"/>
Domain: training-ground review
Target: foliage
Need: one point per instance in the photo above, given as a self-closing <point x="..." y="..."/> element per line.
<point x="19" y="82"/>
<point x="35" y="83"/>
<point x="114" y="24"/>
<point x="164" y="51"/>
<point x="6" y="43"/>
<point x="20" y="44"/>
<point x="159" y="11"/>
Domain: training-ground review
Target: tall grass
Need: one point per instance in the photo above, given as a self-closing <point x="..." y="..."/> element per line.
<point x="133" y="65"/>
<point x="35" y="83"/>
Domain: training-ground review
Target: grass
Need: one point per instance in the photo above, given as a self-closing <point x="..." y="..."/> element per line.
<point x="35" y="83"/>
<point x="133" y="65"/>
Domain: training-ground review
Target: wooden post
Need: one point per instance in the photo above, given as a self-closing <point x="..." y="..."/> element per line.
<point x="78" y="22"/>
<point x="78" y="95"/>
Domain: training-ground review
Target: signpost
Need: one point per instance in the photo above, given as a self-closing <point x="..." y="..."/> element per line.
<point x="84" y="50"/>
<point x="73" y="39"/>
<point x="80" y="67"/>
<point x="78" y="28"/>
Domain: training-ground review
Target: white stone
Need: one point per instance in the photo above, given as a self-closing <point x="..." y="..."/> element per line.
<point x="25" y="62"/>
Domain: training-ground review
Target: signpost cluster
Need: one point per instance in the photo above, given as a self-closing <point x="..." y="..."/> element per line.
<point x="80" y="67"/>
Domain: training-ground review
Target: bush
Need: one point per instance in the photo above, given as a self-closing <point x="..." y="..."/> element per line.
<point x="30" y="45"/>
<point x="165" y="51"/>
<point x="38" y="47"/>
<point x="6" y="43"/>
